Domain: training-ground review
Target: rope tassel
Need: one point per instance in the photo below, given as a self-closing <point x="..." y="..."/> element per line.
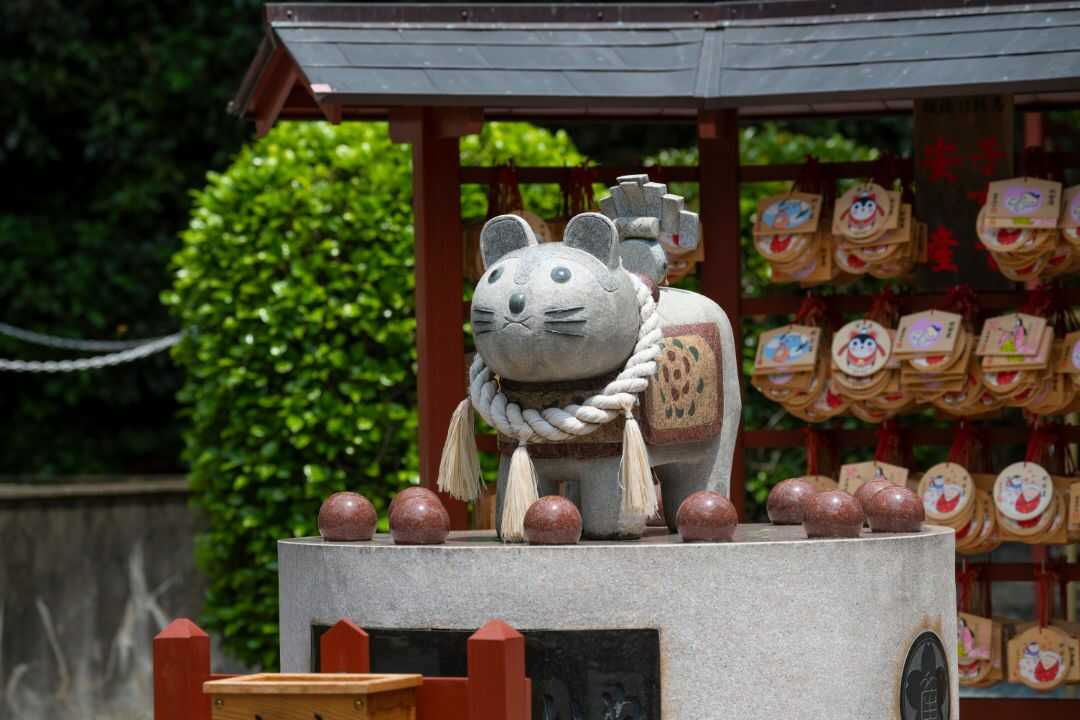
<point x="635" y="474"/>
<point x="521" y="492"/>
<point x="459" y="468"/>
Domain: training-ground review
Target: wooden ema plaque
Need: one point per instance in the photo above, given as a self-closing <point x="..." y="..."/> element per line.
<point x="329" y="696"/>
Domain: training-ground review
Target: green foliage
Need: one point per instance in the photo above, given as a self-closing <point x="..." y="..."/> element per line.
<point x="295" y="282"/>
<point x="116" y="109"/>
<point x="760" y="145"/>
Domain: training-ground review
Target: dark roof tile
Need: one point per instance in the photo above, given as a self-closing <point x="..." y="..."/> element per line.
<point x="794" y="60"/>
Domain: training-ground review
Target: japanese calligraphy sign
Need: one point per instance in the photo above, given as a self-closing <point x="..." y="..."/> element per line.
<point x="961" y="145"/>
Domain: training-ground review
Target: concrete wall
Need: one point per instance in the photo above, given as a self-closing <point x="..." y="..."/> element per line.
<point x="89" y="572"/>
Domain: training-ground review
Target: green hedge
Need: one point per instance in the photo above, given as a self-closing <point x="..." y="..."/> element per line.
<point x="295" y="283"/>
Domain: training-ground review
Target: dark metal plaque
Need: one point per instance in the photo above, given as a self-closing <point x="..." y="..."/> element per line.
<point x="924" y="685"/>
<point x="576" y="674"/>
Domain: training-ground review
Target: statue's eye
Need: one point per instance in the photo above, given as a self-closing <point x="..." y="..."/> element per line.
<point x="495" y="275"/>
<point x="560" y="274"/>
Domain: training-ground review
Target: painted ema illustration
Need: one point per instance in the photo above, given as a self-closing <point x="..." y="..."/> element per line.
<point x="924" y="333"/>
<point x="1022" y="200"/>
<point x="1040" y="666"/>
<point x="863" y="213"/>
<point x="942" y="497"/>
<point x="1016" y="339"/>
<point x="861" y="350"/>
<point x="787" y="213"/>
<point x="1022" y="495"/>
<point x="967" y="663"/>
<point x="787" y="348"/>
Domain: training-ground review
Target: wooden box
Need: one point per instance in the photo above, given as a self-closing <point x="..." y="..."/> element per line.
<point x="315" y="696"/>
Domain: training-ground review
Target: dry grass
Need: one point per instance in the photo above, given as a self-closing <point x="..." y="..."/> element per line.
<point x="90" y="677"/>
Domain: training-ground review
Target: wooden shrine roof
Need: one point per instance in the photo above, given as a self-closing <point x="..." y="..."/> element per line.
<point x="789" y="56"/>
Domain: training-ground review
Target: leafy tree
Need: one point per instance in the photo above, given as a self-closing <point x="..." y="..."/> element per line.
<point x="117" y="109"/>
<point x="295" y="283"/>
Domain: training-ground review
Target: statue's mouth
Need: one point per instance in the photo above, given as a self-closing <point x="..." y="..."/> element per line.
<point x="523" y="322"/>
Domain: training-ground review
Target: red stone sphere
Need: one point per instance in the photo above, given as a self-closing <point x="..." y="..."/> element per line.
<point x="419" y="520"/>
<point x="346" y="516"/>
<point x="411" y="491"/>
<point x="868" y="490"/>
<point x="786" y="501"/>
<point x="706" y="516"/>
<point x="895" y="509"/>
<point x="833" y="513"/>
<point x="552" y="520"/>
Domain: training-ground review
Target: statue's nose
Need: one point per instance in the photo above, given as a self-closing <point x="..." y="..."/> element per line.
<point x="517" y="303"/>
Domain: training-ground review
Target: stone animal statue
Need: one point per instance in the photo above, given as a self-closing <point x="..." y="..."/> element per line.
<point x="591" y="374"/>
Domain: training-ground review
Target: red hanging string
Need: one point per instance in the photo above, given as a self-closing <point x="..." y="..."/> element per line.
<point x="966" y="578"/>
<point x="504" y="195"/>
<point x="811" y="312"/>
<point x="964" y="445"/>
<point x="884" y="308"/>
<point x="888" y="443"/>
<point x="1039" y="302"/>
<point x="810" y="177"/>
<point x="1040" y="440"/>
<point x="1045" y="581"/>
<point x="578" y="194"/>
<point x="813" y="443"/>
<point x="1039" y="164"/>
<point x="1058" y="448"/>
<point x="962" y="301"/>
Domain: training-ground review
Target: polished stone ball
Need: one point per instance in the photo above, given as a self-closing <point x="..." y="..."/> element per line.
<point x="706" y="516"/>
<point x="895" y="509"/>
<point x="419" y="520"/>
<point x="346" y="516"/>
<point x="833" y="513"/>
<point x="409" y="492"/>
<point x="552" y="520"/>
<point x="786" y="501"/>
<point x="868" y="490"/>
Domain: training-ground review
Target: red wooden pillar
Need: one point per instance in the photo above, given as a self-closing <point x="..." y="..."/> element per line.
<point x="720" y="275"/>
<point x="1033" y="130"/>
<point x="440" y="342"/>
<point x="344" y="648"/>
<point x="498" y="689"/>
<point x="181" y="666"/>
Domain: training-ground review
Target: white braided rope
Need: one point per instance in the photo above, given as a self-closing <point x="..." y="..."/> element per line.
<point x="554" y="424"/>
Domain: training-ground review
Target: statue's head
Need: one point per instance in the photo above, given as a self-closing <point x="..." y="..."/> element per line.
<point x="553" y="311"/>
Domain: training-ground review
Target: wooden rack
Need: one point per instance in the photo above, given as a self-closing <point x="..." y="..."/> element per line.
<point x="722" y="281"/>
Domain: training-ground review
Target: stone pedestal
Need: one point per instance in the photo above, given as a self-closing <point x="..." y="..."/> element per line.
<point x="769" y="626"/>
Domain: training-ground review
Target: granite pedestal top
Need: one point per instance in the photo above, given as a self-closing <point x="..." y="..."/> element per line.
<point x="771" y="625"/>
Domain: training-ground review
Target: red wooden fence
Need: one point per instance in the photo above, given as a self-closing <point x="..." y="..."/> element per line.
<point x="496" y="688"/>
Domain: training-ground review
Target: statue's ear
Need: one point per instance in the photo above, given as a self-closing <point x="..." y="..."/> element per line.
<point x="504" y="234"/>
<point x="595" y="234"/>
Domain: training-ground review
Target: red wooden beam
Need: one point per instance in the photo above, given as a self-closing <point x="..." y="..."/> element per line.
<point x="276" y="84"/>
<point x="181" y="666"/>
<point x="487" y="443"/>
<point x="688" y="173"/>
<point x="344" y="648"/>
<point x="867" y="436"/>
<point x="994" y="301"/>
<point x="440" y="343"/>
<point x="605" y="174"/>
<point x="497" y="686"/>
<point x="1014" y="708"/>
<point x="720" y="275"/>
<point x="1024" y="571"/>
